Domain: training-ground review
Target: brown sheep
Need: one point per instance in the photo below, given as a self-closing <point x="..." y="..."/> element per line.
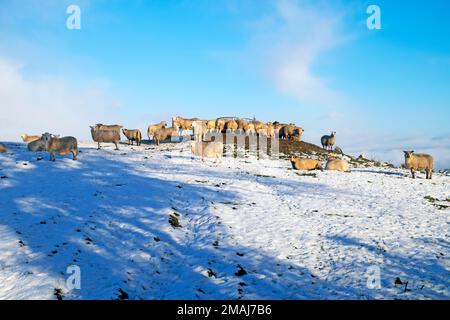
<point x="60" y="146"/>
<point x="165" y="133"/>
<point x="210" y="125"/>
<point x="183" y="123"/>
<point x="270" y="129"/>
<point x="133" y="135"/>
<point x="250" y="129"/>
<point x="106" y="133"/>
<point x="419" y="161"/>
<point x="231" y="125"/>
<point x="305" y="164"/>
<point x="154" y="127"/>
<point x="328" y="141"/>
<point x="220" y="125"/>
<point x="297" y="135"/>
<point x="242" y="124"/>
<point x="200" y="129"/>
<point x="3" y="148"/>
<point x="286" y="132"/>
<point x="259" y="125"/>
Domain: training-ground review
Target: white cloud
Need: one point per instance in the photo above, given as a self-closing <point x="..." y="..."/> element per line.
<point x="55" y="105"/>
<point x="292" y="40"/>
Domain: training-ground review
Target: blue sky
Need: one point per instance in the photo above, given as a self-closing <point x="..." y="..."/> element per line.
<point x="310" y="62"/>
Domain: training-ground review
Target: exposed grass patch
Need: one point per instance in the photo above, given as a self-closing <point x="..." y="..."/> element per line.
<point x="174" y="222"/>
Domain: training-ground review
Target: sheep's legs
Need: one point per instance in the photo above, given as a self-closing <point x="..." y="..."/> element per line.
<point x="98" y="146"/>
<point x="413" y="174"/>
<point x="117" y="148"/>
<point x="74" y="153"/>
<point x="429" y="174"/>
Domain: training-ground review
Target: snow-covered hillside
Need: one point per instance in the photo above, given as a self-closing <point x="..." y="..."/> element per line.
<point x="157" y="223"/>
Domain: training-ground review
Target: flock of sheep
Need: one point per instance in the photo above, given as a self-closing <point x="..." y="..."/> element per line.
<point x="159" y="132"/>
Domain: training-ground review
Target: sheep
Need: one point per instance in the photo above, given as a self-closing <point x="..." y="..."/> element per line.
<point x="242" y="124"/>
<point x="250" y="128"/>
<point x="277" y="125"/>
<point x="154" y="127"/>
<point x="270" y="129"/>
<point x="133" y="135"/>
<point x="220" y="125"/>
<point x="165" y="133"/>
<point x="27" y="138"/>
<point x="419" y="161"/>
<point x="297" y="135"/>
<point x="39" y="144"/>
<point x="60" y="146"/>
<point x="328" y="141"/>
<point x="231" y="125"/>
<point x="286" y="132"/>
<point x="183" y="123"/>
<point x="106" y="133"/>
<point x="305" y="164"/>
<point x="3" y="148"/>
<point x="208" y="149"/>
<point x="200" y="128"/>
<point x="259" y="126"/>
<point x="210" y="125"/>
<point x="337" y="165"/>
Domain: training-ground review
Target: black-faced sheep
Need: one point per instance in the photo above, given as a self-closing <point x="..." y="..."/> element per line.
<point x="60" y="146"/>
<point x="419" y="161"/>
<point x="133" y="135"/>
<point x="328" y="141"/>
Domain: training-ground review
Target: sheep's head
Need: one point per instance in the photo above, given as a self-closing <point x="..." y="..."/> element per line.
<point x="46" y="137"/>
<point x="408" y="154"/>
<point x="125" y="131"/>
<point x="293" y="159"/>
<point x="164" y="124"/>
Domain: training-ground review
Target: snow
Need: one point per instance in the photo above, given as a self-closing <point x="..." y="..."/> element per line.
<point x="296" y="236"/>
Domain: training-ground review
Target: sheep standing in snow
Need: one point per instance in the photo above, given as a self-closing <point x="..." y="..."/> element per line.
<point x="418" y="161"/>
<point x="133" y="135"/>
<point x="337" y="165"/>
<point x="200" y="128"/>
<point x="60" y="146"/>
<point x="183" y="123"/>
<point x="154" y="127"/>
<point x="328" y="141"/>
<point x="106" y="133"/>
<point x="304" y="164"/>
<point x="3" y="148"/>
<point x="165" y="133"/>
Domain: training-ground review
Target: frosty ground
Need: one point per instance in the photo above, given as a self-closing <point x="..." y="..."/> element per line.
<point x="157" y="223"/>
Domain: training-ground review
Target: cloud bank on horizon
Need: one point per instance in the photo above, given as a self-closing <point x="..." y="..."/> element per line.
<point x="313" y="63"/>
